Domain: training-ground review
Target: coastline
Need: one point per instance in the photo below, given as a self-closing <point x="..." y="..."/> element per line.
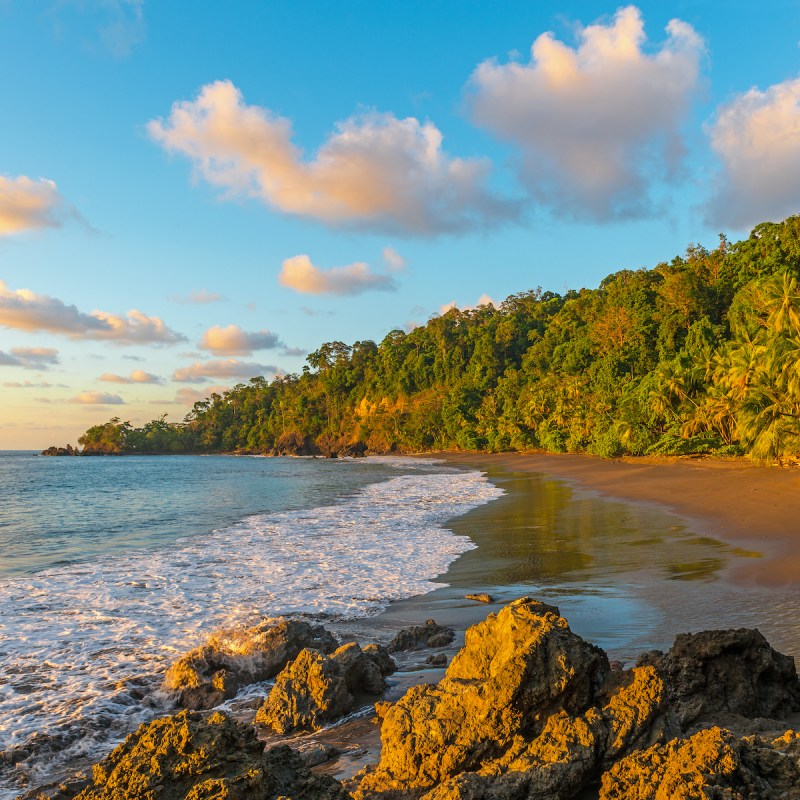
<point x="746" y="505"/>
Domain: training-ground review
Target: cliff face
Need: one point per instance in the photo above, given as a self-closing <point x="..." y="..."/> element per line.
<point x="527" y="710"/>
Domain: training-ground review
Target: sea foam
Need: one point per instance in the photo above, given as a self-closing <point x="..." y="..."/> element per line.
<point x="84" y="646"/>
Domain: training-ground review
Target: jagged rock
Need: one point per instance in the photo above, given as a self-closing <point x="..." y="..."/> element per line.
<point x="353" y="449"/>
<point x="570" y="751"/>
<point x="437" y="660"/>
<point x="482" y="597"/>
<point x="192" y="757"/>
<point x="315" y="689"/>
<point x="517" y="668"/>
<point x="733" y="671"/>
<point x="711" y="764"/>
<point x="210" y="674"/>
<point x="417" y="636"/>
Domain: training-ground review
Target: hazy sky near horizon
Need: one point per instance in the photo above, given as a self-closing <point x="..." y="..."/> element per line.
<point x="194" y="194"/>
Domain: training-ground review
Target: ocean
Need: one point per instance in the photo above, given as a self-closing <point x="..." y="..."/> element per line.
<point x="111" y="567"/>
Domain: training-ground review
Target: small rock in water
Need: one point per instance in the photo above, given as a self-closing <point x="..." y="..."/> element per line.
<point x="210" y="674"/>
<point x="417" y="636"/>
<point x="437" y="660"/>
<point x="318" y="753"/>
<point x="482" y="597"/>
<point x="316" y="689"/>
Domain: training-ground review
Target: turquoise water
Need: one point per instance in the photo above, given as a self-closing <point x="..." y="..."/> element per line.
<point x="110" y="567"/>
<point x="56" y="511"/>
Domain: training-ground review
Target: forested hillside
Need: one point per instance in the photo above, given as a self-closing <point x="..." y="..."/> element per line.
<point x="701" y="354"/>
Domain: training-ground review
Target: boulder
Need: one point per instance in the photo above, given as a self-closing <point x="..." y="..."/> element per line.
<point x="418" y="636"/>
<point x="481" y="597"/>
<point x="69" y="450"/>
<point x="294" y="444"/>
<point x="194" y="757"/>
<point x="712" y="763"/>
<point x="726" y="671"/>
<point x="517" y="668"/>
<point x="316" y="689"/>
<point x="210" y="674"/>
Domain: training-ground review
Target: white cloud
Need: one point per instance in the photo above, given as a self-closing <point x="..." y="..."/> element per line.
<point x="137" y="376"/>
<point x="197" y="297"/>
<point x="300" y="274"/>
<point x="483" y="300"/>
<point x="24" y="310"/>
<point x="27" y="204"/>
<point x="393" y="260"/>
<point x="233" y="341"/>
<point x="40" y="358"/>
<point x="595" y="124"/>
<point x="32" y="384"/>
<point x="375" y="171"/>
<point x="757" y="138"/>
<point x="226" y="368"/>
<point x="97" y="399"/>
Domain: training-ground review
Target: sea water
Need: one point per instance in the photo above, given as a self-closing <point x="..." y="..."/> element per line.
<point x="112" y="567"/>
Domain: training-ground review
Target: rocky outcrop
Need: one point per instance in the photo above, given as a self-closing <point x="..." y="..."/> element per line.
<point x="192" y="757"/>
<point x="69" y="450"/>
<point x="316" y="689"/>
<point x="517" y="669"/>
<point x="294" y="444"/>
<point x="712" y="763"/>
<point x="418" y="636"/>
<point x="726" y="671"/>
<point x="210" y="674"/>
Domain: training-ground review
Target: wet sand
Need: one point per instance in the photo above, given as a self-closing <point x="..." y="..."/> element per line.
<point x="750" y="506"/>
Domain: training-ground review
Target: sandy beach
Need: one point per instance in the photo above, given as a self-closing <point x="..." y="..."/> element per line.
<point x="747" y="505"/>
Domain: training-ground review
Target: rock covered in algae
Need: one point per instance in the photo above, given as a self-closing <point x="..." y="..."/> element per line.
<point x="415" y="637"/>
<point x="711" y="764"/>
<point x="315" y="688"/>
<point x="517" y="668"/>
<point x="194" y="757"/>
<point x="729" y="671"/>
<point x="214" y="672"/>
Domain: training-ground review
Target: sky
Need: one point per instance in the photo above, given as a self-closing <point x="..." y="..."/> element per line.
<point x="193" y="194"/>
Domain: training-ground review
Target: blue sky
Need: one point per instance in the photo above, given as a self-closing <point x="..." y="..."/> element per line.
<point x="254" y="179"/>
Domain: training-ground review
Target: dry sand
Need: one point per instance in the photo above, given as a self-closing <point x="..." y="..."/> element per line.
<point x="747" y="505"/>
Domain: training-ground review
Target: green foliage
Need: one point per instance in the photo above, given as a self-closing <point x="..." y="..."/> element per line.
<point x="698" y="355"/>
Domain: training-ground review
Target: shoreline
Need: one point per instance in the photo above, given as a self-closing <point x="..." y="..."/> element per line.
<point x="748" y="506"/>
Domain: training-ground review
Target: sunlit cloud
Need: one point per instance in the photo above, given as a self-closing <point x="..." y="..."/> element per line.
<point x="597" y="124"/>
<point x="233" y="341"/>
<point x="226" y="368"/>
<point x="28" y="205"/>
<point x="39" y="358"/>
<point x="197" y="297"/>
<point x="24" y="310"/>
<point x="137" y="376"/>
<point x="300" y="274"/>
<point x="393" y="260"/>
<point x="483" y="300"/>
<point x="188" y="397"/>
<point x="374" y="172"/>
<point x="97" y="399"/>
<point x="757" y="139"/>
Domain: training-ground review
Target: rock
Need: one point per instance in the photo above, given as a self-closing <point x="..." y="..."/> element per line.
<point x="437" y="660"/>
<point x="417" y="636"/>
<point x="318" y="753"/>
<point x="356" y="449"/>
<point x="517" y="668"/>
<point x="732" y="671"/>
<point x="294" y="444"/>
<point x="316" y="689"/>
<point x="192" y="757"/>
<point x="480" y="598"/>
<point x="69" y="450"/>
<point x="712" y="763"/>
<point x="210" y="674"/>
